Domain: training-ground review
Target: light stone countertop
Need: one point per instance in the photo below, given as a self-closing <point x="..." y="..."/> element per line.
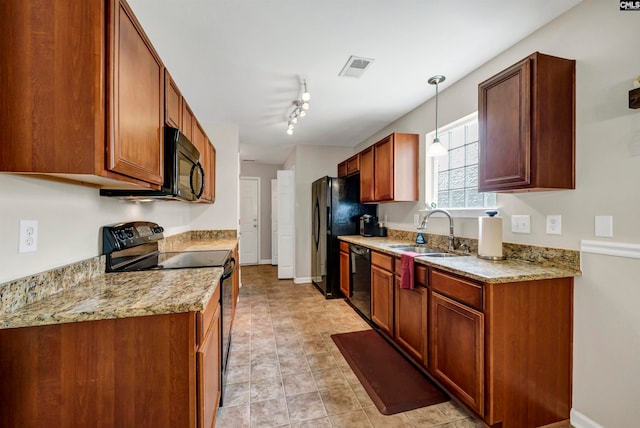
<point x="471" y="266"/>
<point x="121" y="295"/>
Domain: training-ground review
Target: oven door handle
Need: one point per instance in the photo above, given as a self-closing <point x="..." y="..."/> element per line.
<point x="228" y="271"/>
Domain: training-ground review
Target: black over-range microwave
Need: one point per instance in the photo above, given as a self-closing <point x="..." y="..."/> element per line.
<point x="183" y="172"/>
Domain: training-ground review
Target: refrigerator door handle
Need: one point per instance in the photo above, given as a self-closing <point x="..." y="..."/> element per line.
<point x="316" y="232"/>
<point x="328" y="221"/>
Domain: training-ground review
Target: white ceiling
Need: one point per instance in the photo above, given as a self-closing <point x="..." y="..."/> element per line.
<point x="239" y="62"/>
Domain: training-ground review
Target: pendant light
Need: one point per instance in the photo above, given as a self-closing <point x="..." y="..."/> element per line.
<point x="436" y="148"/>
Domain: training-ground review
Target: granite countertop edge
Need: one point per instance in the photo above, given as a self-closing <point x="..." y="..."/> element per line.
<point x="121" y="295"/>
<point x="470" y="266"/>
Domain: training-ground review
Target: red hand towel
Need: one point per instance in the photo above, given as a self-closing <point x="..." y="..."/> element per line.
<point x="406" y="278"/>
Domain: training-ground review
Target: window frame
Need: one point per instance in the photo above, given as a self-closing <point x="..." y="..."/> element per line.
<point x="472" y="212"/>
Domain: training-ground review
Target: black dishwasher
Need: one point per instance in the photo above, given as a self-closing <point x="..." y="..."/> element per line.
<point x="360" y="279"/>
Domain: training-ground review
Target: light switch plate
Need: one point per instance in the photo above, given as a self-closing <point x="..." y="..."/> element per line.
<point x="521" y="224"/>
<point x="554" y="224"/>
<point x="604" y="226"/>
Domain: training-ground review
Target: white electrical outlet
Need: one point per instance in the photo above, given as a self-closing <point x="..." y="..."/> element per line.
<point x="554" y="224"/>
<point x="28" y="237"/>
<point x="521" y="224"/>
<point x="416" y="219"/>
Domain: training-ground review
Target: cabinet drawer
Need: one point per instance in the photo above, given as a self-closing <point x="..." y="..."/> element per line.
<point x="205" y="317"/>
<point x="344" y="246"/>
<point x="419" y="273"/>
<point x="464" y="291"/>
<point x="382" y="260"/>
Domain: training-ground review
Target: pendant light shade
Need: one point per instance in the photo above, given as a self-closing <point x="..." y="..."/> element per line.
<point x="436" y="148"/>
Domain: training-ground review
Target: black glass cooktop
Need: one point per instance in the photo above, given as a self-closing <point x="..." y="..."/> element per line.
<point x="181" y="260"/>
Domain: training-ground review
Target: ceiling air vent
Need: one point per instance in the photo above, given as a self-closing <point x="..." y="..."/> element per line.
<point x="355" y="66"/>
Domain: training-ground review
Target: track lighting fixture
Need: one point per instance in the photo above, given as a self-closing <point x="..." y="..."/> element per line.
<point x="300" y="107"/>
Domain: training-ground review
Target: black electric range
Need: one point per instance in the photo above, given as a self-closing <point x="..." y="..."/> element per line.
<point x="133" y="246"/>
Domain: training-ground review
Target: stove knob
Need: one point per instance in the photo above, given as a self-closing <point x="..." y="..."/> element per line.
<point x="158" y="229"/>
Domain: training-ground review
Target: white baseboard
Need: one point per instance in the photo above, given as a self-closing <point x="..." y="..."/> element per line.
<point x="578" y="420"/>
<point x="302" y="280"/>
<point x="265" y="262"/>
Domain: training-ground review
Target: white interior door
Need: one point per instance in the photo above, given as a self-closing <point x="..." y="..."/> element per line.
<point x="249" y="220"/>
<point x="274" y="222"/>
<point x="286" y="224"/>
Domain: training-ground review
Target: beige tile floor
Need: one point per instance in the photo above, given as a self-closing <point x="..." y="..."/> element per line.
<point x="285" y="370"/>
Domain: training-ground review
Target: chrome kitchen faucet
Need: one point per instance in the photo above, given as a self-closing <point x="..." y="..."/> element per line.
<point x="425" y="220"/>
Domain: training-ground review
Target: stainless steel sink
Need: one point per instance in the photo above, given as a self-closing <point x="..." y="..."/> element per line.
<point x="423" y="251"/>
<point x="440" y="255"/>
<point x="416" y="249"/>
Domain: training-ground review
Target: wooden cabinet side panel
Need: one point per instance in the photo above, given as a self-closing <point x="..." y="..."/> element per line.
<point x="383" y="158"/>
<point x="53" y="87"/>
<point x="553" y="118"/>
<point x="122" y="372"/>
<point x="366" y="175"/>
<point x="382" y="299"/>
<point x="529" y="351"/>
<point x="505" y="129"/>
<point x="136" y="100"/>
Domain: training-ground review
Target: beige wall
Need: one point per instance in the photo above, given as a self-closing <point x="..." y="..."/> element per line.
<point x="70" y="216"/>
<point x="310" y="163"/>
<point x="607" y="328"/>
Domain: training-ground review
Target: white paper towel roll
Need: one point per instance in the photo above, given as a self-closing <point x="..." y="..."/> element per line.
<point x="490" y="237"/>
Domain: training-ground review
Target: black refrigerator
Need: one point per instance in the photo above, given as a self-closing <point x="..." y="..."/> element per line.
<point x="336" y="211"/>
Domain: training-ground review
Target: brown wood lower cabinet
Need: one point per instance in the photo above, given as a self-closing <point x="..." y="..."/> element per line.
<point x="345" y="285"/>
<point x="456" y="334"/>
<point x="411" y="315"/>
<point x="209" y="381"/>
<point x="504" y="350"/>
<point x="150" y="371"/>
<point x="382" y="291"/>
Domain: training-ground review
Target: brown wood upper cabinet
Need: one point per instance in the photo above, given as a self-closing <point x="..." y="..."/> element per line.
<point x="179" y="115"/>
<point x="209" y="166"/>
<point x="366" y="175"/>
<point x="172" y="102"/>
<point x="526" y="118"/>
<point x="188" y="121"/>
<point x="350" y="166"/>
<point x="136" y="101"/>
<point x="73" y="75"/>
<point x="395" y="170"/>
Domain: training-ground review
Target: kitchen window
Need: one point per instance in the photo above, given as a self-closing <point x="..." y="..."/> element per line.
<point x="455" y="181"/>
